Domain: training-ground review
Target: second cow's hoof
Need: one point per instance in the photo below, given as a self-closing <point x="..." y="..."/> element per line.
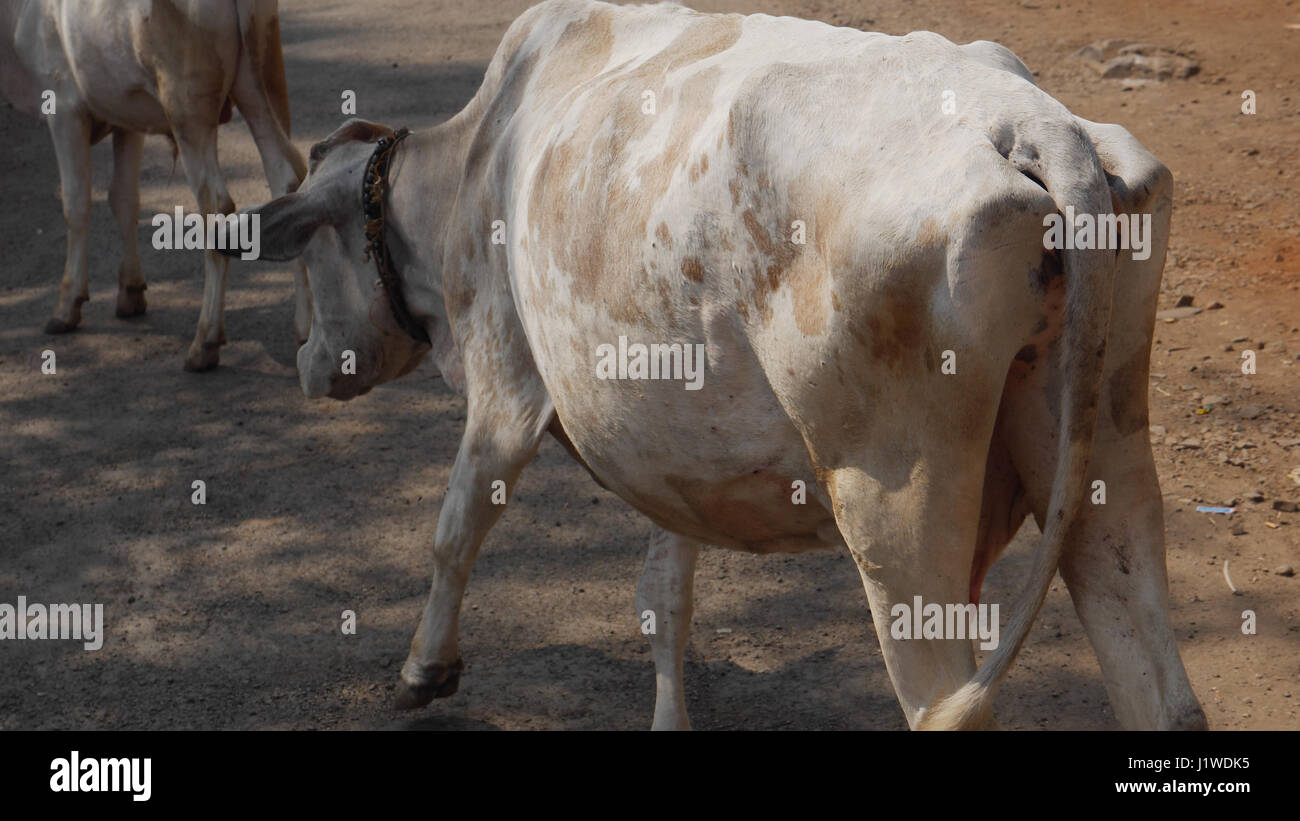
<point x="131" y="301"/>
<point x="413" y="696"/>
<point x="203" y="358"/>
<point x="54" y="325"/>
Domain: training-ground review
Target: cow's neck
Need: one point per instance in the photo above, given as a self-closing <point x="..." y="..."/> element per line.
<point x="421" y="193"/>
<point x="422" y="190"/>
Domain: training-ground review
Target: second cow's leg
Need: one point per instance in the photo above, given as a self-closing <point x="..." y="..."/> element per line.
<point x="198" y="150"/>
<point x="284" y="169"/>
<point x="124" y="196"/>
<point x="667" y="592"/>
<point x="70" y="130"/>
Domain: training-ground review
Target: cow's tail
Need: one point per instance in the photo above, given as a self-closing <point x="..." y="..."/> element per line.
<point x="1066" y="164"/>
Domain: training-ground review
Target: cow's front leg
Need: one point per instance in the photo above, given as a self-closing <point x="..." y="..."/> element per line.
<point x="124" y="196"/>
<point x="70" y="130"/>
<point x="492" y="450"/>
<point x="664" y="603"/>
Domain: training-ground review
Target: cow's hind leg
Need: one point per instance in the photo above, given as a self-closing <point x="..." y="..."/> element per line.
<point x="124" y="196"/>
<point x="499" y="440"/>
<point x="283" y="165"/>
<point x="665" y="600"/>
<point x="71" y="129"/>
<point x="198" y="149"/>
<point x="1114" y="567"/>
<point x="1114" y="560"/>
<point x="914" y="546"/>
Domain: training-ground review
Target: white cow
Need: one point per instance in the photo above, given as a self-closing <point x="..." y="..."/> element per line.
<point x="833" y="215"/>
<point x="136" y="67"/>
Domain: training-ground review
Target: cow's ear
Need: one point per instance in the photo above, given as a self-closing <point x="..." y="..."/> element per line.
<point x="285" y="225"/>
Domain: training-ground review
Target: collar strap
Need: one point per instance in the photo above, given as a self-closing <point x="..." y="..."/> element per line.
<point x="374" y="186"/>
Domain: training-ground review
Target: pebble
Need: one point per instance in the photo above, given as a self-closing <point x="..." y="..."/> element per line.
<point x="1284" y="570"/>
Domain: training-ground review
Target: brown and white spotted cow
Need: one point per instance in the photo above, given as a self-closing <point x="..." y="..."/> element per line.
<point x="645" y="172"/>
<point x="137" y="67"/>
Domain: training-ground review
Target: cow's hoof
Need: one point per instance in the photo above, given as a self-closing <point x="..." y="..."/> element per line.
<point x="58" y="325"/>
<point x="131" y="301"/>
<point x="54" y="325"/>
<point x="204" y="357"/>
<point x="413" y="696"/>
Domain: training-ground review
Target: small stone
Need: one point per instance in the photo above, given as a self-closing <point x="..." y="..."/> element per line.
<point x="1238" y="529"/>
<point x="1214" y="306"/>
<point x="1250" y="411"/>
<point x="1285" y="507"/>
<point x="1179" y="313"/>
<point x="1284" y="570"/>
<point x="1240" y="339"/>
<point x="1255" y="496"/>
<point x="1191" y="443"/>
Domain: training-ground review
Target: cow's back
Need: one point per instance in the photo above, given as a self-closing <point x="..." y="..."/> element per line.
<point x="127" y="61"/>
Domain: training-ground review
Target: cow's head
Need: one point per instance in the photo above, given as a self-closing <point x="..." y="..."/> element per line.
<point x="356" y="341"/>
